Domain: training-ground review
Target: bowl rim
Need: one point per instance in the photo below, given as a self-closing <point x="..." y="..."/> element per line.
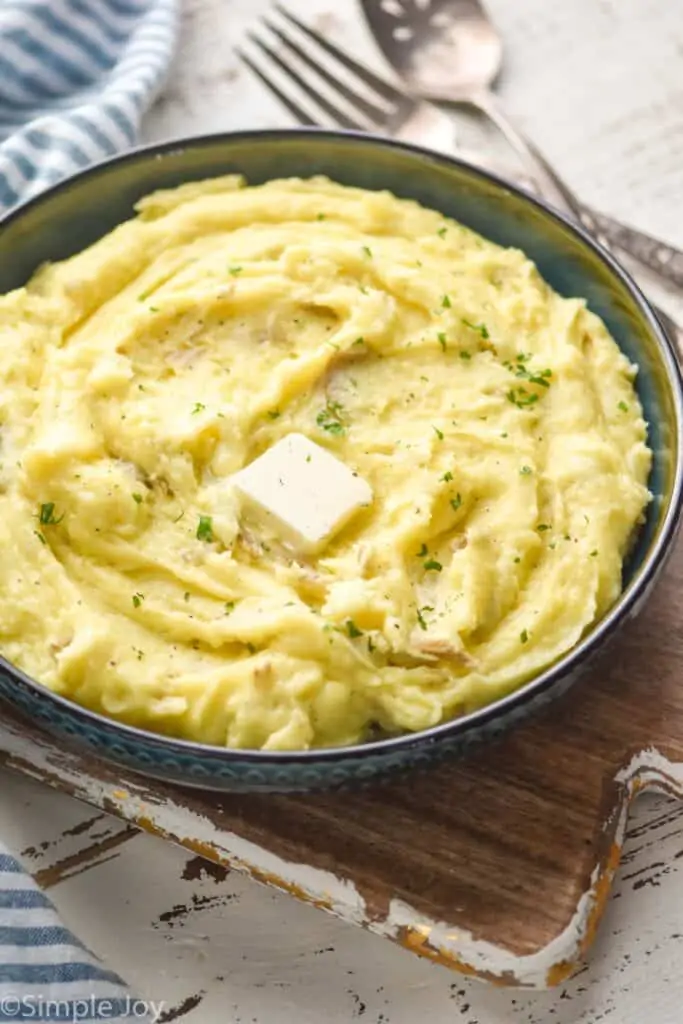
<point x="539" y="684"/>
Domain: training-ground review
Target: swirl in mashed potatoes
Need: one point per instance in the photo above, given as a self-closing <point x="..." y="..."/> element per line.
<point x="496" y="422"/>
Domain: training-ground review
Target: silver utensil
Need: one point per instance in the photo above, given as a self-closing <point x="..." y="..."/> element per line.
<point x="448" y="51"/>
<point x="316" y="95"/>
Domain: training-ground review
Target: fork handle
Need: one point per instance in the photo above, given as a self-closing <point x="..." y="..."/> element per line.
<point x="664" y="259"/>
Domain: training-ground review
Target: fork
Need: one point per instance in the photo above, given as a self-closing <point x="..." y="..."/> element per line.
<point x="380" y="107"/>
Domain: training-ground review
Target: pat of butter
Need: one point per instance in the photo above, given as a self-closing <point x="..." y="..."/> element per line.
<point x="302" y="491"/>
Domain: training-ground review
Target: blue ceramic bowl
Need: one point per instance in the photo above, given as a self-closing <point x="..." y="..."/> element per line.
<point x="71" y="216"/>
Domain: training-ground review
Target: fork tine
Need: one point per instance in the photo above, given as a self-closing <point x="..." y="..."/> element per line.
<point x="292" y="106"/>
<point x="330" y="109"/>
<point x="374" y="113"/>
<point x="389" y="92"/>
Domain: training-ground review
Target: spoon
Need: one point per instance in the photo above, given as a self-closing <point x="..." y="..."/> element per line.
<point x="448" y="51"/>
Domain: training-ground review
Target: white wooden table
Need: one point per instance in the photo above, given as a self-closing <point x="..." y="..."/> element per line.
<point x="599" y="83"/>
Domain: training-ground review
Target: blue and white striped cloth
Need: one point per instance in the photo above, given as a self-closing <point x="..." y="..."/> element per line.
<point x="75" y="78"/>
<point x="46" y="974"/>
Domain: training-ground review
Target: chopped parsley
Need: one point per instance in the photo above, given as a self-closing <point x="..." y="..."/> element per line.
<point x="623" y="406"/>
<point x="594" y="553"/>
<point x="521" y="397"/>
<point x="424" y="550"/>
<point x="321" y="216"/>
<point x="447" y="476"/>
<point x="359" y="341"/>
<point x="47" y="514"/>
<point x="40" y="536"/>
<point x="420" y="615"/>
<point x="456" y="502"/>
<point x="442" y="232"/>
<point x="137" y="498"/>
<point x="186" y="595"/>
<point x="178" y="518"/>
<point x="273" y="414"/>
<point x="352" y="629"/>
<point x="432" y="565"/>
<point x="198" y="407"/>
<point x="517" y="560"/>
<point x="234" y="271"/>
<point x="525" y="470"/>
<point x="329" y="418"/>
<point x="205" y="529"/>
<point x="446" y="302"/>
<point x="368" y="251"/>
<point x="542" y="527"/>
<point x="465" y="355"/>
<point x="540" y="377"/>
<point x="481" y="329"/>
<point x="439" y="433"/>
<point x="229" y="607"/>
<point x="523" y="636"/>
<point x="138" y="599"/>
<point x="442" y="340"/>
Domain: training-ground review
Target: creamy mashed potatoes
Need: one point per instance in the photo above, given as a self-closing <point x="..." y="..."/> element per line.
<point x="496" y="423"/>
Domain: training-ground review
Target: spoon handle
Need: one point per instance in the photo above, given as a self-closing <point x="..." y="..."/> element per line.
<point x="664" y="259"/>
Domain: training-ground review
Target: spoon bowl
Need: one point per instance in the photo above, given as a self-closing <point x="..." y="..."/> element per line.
<point x="445" y="50"/>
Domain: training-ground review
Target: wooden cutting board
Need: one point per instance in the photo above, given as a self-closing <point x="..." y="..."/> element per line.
<point x="498" y="866"/>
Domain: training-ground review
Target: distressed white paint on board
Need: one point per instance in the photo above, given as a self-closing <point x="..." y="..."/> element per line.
<point x="250" y="955"/>
<point x="600" y="85"/>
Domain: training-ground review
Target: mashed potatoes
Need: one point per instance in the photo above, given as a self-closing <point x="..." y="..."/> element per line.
<point x="496" y="423"/>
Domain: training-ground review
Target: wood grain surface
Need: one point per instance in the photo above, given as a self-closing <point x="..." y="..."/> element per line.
<point x="514" y="847"/>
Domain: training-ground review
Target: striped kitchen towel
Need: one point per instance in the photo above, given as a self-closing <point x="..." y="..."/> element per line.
<point x="46" y="974"/>
<point x="75" y="78"/>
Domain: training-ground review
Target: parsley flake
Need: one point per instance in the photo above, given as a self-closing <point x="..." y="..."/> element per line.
<point x="321" y="216"/>
<point x="205" y="529"/>
<point x="521" y="397"/>
<point x="273" y="414"/>
<point x="423" y="551"/>
<point x="442" y="340"/>
<point x="47" y="515"/>
<point x="442" y="232"/>
<point x="234" y="271"/>
<point x="542" y="527"/>
<point x="137" y="498"/>
<point x="229" y="607"/>
<point x="456" y="502"/>
<point x="523" y="636"/>
<point x="446" y="302"/>
<point x="525" y="470"/>
<point x="623" y="406"/>
<point x="420" y="615"/>
<point x="138" y="599"/>
<point x="432" y="565"/>
<point x="368" y="251"/>
<point x="352" y="629"/>
<point x="198" y="407"/>
<point x="40" y="536"/>
<point x="439" y="433"/>
<point x="329" y="419"/>
<point x="447" y="476"/>
<point x="481" y="329"/>
<point x="465" y="355"/>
